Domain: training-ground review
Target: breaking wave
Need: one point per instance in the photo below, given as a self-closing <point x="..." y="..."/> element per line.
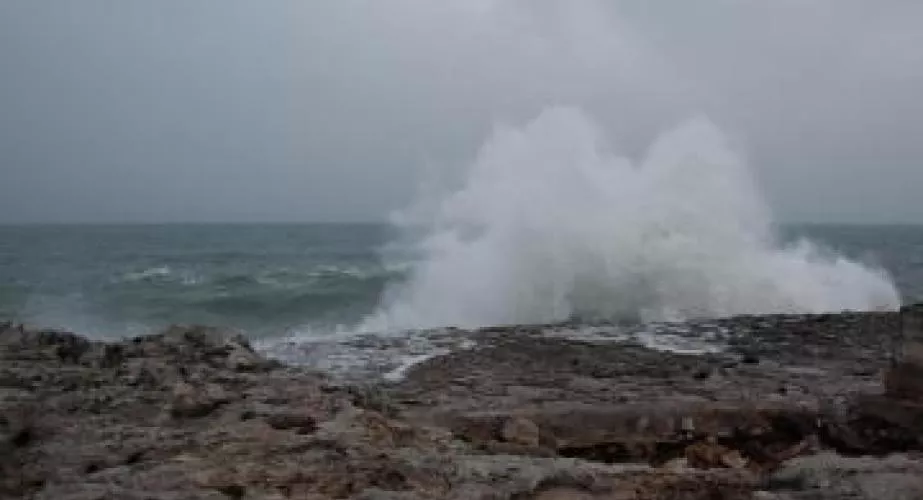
<point x="550" y="224"/>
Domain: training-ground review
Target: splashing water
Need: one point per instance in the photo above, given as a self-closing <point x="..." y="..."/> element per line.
<point x="550" y="225"/>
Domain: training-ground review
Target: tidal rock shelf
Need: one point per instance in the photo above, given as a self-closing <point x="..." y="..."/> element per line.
<point x="790" y="407"/>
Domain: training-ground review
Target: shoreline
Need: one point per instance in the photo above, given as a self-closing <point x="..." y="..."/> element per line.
<point x="796" y="407"/>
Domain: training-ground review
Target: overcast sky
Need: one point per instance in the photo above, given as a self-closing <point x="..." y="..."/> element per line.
<point x="173" y="110"/>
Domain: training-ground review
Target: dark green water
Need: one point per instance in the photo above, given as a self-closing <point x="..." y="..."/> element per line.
<point x="266" y="279"/>
<point x="260" y="278"/>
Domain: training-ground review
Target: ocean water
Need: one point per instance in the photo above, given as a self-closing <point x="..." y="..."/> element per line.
<point x="126" y="279"/>
<point x="549" y="223"/>
<point x="270" y="280"/>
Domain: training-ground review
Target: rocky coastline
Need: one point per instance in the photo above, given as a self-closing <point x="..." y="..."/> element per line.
<point x="796" y="407"/>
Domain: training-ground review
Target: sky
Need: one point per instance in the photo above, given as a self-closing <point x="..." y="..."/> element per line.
<point x="334" y="110"/>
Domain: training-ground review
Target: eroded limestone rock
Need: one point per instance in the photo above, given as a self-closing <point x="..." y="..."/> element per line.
<point x="197" y="413"/>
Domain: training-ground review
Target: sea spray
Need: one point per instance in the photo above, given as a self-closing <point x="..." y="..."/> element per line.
<point x="551" y="224"/>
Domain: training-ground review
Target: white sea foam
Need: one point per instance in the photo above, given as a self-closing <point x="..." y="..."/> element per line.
<point x="352" y="355"/>
<point x="552" y="224"/>
<point x="407" y="362"/>
<point x="148" y="274"/>
<point x="161" y="273"/>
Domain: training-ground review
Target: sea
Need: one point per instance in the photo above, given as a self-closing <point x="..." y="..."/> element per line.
<point x="263" y="279"/>
<point x="274" y="279"/>
<point x="316" y="294"/>
<point x="550" y="224"/>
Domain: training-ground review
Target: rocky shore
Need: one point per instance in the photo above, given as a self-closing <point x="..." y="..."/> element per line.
<point x="795" y="407"/>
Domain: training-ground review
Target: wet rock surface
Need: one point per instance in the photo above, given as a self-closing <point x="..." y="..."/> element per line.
<point x="786" y="407"/>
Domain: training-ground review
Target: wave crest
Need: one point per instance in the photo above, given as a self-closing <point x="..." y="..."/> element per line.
<point x="550" y="225"/>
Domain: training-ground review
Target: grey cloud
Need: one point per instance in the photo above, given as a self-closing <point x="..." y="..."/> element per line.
<point x="332" y="110"/>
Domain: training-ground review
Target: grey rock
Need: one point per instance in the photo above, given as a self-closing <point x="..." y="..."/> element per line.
<point x="521" y="431"/>
<point x="193" y="402"/>
<point x="301" y="421"/>
<point x="830" y="476"/>
<point x="196" y="413"/>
